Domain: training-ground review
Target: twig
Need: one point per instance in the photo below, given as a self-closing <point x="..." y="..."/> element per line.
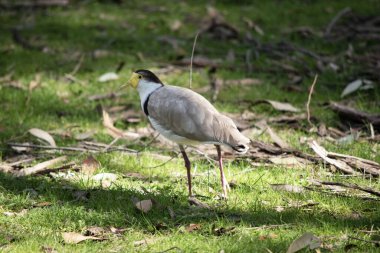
<point x="191" y="59"/>
<point x="269" y="227"/>
<point x="332" y="23"/>
<point x="110" y="145"/>
<point x="162" y="164"/>
<point x="363" y="240"/>
<point x="353" y="186"/>
<point x="39" y="167"/>
<point x="77" y="66"/>
<point x="309" y="99"/>
<point x="86" y="149"/>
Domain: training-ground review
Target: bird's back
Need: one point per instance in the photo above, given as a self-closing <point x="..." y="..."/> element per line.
<point x="190" y="115"/>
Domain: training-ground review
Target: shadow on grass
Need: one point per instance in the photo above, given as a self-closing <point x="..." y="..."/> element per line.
<point x="115" y="207"/>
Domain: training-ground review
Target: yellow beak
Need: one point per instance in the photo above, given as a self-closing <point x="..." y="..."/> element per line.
<point x="133" y="81"/>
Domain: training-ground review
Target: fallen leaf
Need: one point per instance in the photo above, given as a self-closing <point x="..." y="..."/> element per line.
<point x="47" y="249"/>
<point x="35" y="82"/>
<point x="223" y="231"/>
<point x="196" y="202"/>
<point x="280" y="106"/>
<point x="90" y="165"/>
<point x="74" y="238"/>
<point x="84" y="136"/>
<point x="143" y="242"/>
<point x="115" y="132"/>
<point x="144" y="205"/>
<point x="81" y="195"/>
<point x="358" y="84"/>
<point x="135" y="175"/>
<point x="42" y="204"/>
<point x="105" y="176"/>
<point x="276" y="139"/>
<point x="171" y="213"/>
<point x="287" y="187"/>
<point x="244" y="82"/>
<point x="175" y="25"/>
<point x="11" y="214"/>
<point x="192" y="227"/>
<point x="111" y="76"/>
<point x="43" y="135"/>
<point x="118" y="230"/>
<point x="95" y="231"/>
<point x="306" y="240"/>
<point x="287" y="161"/>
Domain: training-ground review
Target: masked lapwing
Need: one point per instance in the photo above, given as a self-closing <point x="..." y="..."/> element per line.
<point x="186" y="118"/>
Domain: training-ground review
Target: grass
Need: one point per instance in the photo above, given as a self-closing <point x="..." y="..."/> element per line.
<point x="124" y="33"/>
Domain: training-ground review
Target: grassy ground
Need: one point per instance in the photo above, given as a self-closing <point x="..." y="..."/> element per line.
<point x="128" y="34"/>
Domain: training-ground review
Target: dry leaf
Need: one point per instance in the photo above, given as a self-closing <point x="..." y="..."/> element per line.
<point x="244" y="82"/>
<point x="115" y="132"/>
<point x="287" y="187"/>
<point x="196" y="202"/>
<point x="223" y="231"/>
<point x="358" y="84"/>
<point x="84" y="136"/>
<point x="192" y="227"/>
<point x="111" y="76"/>
<point x="43" y="135"/>
<point x="74" y="238"/>
<point x="35" y="82"/>
<point x="144" y="242"/>
<point x="144" y="205"/>
<point x="306" y="240"/>
<point x="176" y="25"/>
<point x="135" y="175"/>
<point x="105" y="176"/>
<point x="280" y="106"/>
<point x="276" y="139"/>
<point x="90" y="165"/>
<point x="287" y="161"/>
<point x="11" y="214"/>
<point x="47" y="249"/>
<point x="95" y="231"/>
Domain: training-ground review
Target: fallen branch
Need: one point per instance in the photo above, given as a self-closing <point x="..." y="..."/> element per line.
<point x="338" y="16"/>
<point x="354" y="115"/>
<point x="352" y="186"/>
<point x="321" y="152"/>
<point x="39" y="167"/>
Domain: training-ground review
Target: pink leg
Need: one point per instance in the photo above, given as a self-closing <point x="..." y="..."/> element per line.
<point x="222" y="177"/>
<point x="188" y="167"/>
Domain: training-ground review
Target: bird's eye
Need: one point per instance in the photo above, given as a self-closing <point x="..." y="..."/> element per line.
<point x="140" y="77"/>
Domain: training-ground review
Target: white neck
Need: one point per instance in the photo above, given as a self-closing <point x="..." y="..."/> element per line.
<point x="145" y="89"/>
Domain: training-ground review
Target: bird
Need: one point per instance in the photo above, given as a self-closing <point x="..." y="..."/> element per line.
<point x="186" y="118"/>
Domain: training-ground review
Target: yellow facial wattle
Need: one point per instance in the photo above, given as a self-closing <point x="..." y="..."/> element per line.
<point x="134" y="80"/>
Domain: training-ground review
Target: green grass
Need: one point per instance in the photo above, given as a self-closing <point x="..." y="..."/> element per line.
<point x="124" y="32"/>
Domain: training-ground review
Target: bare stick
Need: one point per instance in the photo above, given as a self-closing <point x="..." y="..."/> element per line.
<point x="39" y="167"/>
<point x="86" y="149"/>
<point x="354" y="186"/>
<point x="191" y="59"/>
<point x="335" y="20"/>
<point x="77" y="66"/>
<point x="309" y="99"/>
<point x="363" y="240"/>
